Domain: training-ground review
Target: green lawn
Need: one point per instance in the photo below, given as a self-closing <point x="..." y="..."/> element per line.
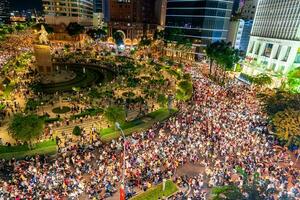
<point x="136" y="125"/>
<point x="156" y="192"/>
<point x="48" y="147"/>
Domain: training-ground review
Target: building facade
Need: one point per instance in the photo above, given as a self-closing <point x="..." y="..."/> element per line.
<point x="201" y="21"/>
<point x="4" y="11"/>
<point x="240" y="29"/>
<point x="98" y="17"/>
<point x="249" y="8"/>
<point x="67" y="11"/>
<point x="133" y="18"/>
<point x="275" y="43"/>
<point x="239" y="34"/>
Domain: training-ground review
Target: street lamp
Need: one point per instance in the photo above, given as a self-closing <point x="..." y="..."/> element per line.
<point x="42" y="104"/>
<point x="122" y="189"/>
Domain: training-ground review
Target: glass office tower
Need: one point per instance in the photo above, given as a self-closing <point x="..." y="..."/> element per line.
<point x="202" y="21"/>
<point x="4" y="11"/>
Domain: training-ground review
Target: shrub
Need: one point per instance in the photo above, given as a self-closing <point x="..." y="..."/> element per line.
<point x="77" y="131"/>
<point x="32" y="105"/>
<point x="62" y="110"/>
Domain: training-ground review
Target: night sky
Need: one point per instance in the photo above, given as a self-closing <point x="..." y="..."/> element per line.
<point x="26" y="4"/>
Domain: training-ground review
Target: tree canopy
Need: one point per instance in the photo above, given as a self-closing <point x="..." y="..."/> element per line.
<point x="223" y="55"/>
<point x="26" y="127"/>
<point x="253" y="188"/>
<point x="75" y="29"/>
<point x="261" y="80"/>
<point x="287" y="125"/>
<point x="294" y="80"/>
<point x="115" y="114"/>
<point x="280" y="101"/>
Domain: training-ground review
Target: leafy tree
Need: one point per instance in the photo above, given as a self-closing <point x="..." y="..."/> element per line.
<point x="115" y="114"/>
<point x="158" y="35"/>
<point x="26" y="127"/>
<point x="287" y="125"/>
<point x="94" y="94"/>
<point x="31" y="105"/>
<point x="262" y="80"/>
<point x="280" y="101"/>
<point x="184" y="91"/>
<point x="294" y="80"/>
<point x="145" y="41"/>
<point x="118" y="37"/>
<point x="162" y="100"/>
<point x="97" y="33"/>
<point x="256" y="189"/>
<point x="75" y="29"/>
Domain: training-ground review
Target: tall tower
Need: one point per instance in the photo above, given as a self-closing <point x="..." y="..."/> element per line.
<point x="134" y="18"/>
<point x="275" y="37"/>
<point x="98" y="17"/>
<point x="4" y="11"/>
<point x="202" y="21"/>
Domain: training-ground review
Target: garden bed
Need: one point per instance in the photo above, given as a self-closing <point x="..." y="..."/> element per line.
<point x="136" y="125"/>
<point x="156" y="192"/>
<point x="48" y="147"/>
<point x="88" y="112"/>
<point x="63" y="110"/>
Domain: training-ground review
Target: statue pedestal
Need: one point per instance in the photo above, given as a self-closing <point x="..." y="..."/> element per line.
<point x="43" y="59"/>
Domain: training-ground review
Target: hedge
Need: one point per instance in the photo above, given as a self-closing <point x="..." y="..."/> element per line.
<point x="156" y="192"/>
<point x="136" y="125"/>
<point x="48" y="147"/>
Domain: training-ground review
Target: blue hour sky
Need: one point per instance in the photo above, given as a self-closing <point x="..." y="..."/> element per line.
<point x="26" y="4"/>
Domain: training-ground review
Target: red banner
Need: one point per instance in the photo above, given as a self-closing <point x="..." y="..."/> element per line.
<point x="122" y="192"/>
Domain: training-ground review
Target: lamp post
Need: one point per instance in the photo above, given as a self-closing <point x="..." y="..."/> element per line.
<point x="122" y="189"/>
<point x="42" y="105"/>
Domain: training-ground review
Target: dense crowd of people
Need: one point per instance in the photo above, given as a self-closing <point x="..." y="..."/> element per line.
<point x="14" y="45"/>
<point x="221" y="128"/>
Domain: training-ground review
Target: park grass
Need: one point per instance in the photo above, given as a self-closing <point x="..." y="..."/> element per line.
<point x="156" y="192"/>
<point x="136" y="125"/>
<point x="48" y="147"/>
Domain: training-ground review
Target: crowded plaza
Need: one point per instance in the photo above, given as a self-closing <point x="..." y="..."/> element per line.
<point x="90" y="112"/>
<point x="219" y="129"/>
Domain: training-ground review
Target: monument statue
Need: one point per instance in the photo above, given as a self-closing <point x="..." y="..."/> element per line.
<point x="42" y="53"/>
<point x="43" y="38"/>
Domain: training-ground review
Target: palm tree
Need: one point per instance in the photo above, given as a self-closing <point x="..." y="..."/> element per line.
<point x="210" y="53"/>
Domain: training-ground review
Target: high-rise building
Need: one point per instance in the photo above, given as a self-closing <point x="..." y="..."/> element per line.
<point x="240" y="29"/>
<point x="249" y="9"/>
<point x="66" y="11"/>
<point x="134" y="18"/>
<point x="203" y="21"/>
<point x="275" y="37"/>
<point x="236" y="6"/>
<point x="98" y="6"/>
<point x="98" y="17"/>
<point x="160" y="12"/>
<point x="4" y="11"/>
